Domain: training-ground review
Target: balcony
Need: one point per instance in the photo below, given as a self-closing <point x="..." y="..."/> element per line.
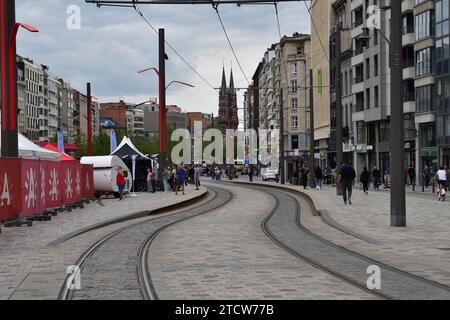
<point x="409" y="38"/>
<point x="359" y="107"/>
<point x="407" y="5"/>
<point x="409" y="73"/>
<point x="358" y="56"/>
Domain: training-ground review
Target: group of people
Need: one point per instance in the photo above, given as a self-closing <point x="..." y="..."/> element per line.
<point x="174" y="179"/>
<point x="219" y="174"/>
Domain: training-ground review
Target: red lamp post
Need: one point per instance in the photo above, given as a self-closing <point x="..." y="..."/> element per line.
<point x="8" y="33"/>
<point x="163" y="113"/>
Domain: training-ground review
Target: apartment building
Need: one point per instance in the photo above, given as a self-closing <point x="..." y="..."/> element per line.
<point x="442" y="9"/>
<point x="52" y="98"/>
<point x="365" y="81"/>
<point x="21" y="96"/>
<point x="321" y="10"/>
<point x="292" y="70"/>
<point x="35" y="126"/>
<point x="251" y="101"/>
<point x="66" y="111"/>
<point x="285" y="65"/>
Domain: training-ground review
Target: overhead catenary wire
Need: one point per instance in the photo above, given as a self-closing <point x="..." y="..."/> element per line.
<point x="216" y="8"/>
<point x="139" y="12"/>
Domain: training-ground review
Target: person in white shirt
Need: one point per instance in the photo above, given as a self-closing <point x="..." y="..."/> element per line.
<point x="441" y="177"/>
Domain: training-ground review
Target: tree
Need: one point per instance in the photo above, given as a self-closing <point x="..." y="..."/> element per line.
<point x="101" y="144"/>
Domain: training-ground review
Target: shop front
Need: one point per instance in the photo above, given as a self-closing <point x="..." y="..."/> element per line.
<point x="429" y="157"/>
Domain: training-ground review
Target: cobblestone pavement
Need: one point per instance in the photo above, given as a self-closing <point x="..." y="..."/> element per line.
<point x="111" y="272"/>
<point x="226" y="255"/>
<point x="285" y="226"/>
<point x="31" y="269"/>
<point x="423" y="248"/>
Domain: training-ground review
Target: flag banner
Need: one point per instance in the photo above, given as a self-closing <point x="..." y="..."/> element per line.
<point x="61" y="141"/>
<point x="113" y="141"/>
<point x="134" y="167"/>
<point x="320" y="81"/>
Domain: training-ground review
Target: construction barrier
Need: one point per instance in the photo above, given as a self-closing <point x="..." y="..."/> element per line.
<point x="31" y="187"/>
<point x="10" y="189"/>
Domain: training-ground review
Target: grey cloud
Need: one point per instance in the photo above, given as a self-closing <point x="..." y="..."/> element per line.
<point x="114" y="44"/>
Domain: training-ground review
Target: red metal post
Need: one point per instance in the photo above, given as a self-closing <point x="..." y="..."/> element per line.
<point x="89" y="119"/>
<point x="9" y="139"/>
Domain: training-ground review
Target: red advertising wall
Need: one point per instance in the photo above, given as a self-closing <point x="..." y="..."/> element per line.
<point x="10" y="189"/>
<point x="71" y="183"/>
<point x="53" y="182"/>
<point x="87" y="182"/>
<point x="30" y="187"/>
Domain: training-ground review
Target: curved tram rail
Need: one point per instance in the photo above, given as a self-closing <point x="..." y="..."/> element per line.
<point x="339" y="261"/>
<point x="153" y="228"/>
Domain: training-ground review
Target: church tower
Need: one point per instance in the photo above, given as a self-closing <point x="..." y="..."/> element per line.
<point x="228" y="111"/>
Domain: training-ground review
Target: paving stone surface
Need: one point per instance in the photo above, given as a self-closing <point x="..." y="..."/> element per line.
<point x="31" y="269"/>
<point x="421" y="248"/>
<point x="111" y="272"/>
<point x="226" y="255"/>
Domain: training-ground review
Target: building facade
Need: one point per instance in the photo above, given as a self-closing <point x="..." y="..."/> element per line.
<point x="321" y="10"/>
<point x="228" y="110"/>
<point x="365" y="82"/>
<point x="280" y="81"/>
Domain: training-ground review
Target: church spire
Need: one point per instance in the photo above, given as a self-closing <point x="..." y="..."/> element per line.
<point x="223" y="88"/>
<point x="231" y="81"/>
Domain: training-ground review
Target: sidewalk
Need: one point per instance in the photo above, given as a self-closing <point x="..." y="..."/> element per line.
<point x="422" y="248"/>
<point x="33" y="267"/>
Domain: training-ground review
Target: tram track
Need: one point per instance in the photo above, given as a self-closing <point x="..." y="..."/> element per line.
<point x="139" y="237"/>
<point x="338" y="261"/>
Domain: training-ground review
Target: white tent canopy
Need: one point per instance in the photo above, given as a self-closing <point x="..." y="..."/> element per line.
<point x="29" y="150"/>
<point x="126" y="142"/>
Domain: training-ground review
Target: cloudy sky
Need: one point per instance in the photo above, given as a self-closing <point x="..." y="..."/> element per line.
<point x="114" y="43"/>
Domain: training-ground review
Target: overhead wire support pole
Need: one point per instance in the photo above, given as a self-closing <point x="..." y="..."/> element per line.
<point x="398" y="201"/>
<point x="339" y="118"/>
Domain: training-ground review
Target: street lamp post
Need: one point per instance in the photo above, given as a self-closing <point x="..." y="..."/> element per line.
<point x="398" y="202"/>
<point x="8" y="33"/>
<point x="162" y="114"/>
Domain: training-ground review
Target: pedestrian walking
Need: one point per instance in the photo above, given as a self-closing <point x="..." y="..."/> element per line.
<point x="376" y="175"/>
<point x="155" y="178"/>
<point x="364" y="179"/>
<point x="304" y="177"/>
<point x="120" y="180"/>
<point x="346" y="178"/>
<point x="412" y="175"/>
<point x="192" y="175"/>
<point x="149" y="180"/>
<point x="319" y="177"/>
<point x="426" y="177"/>
<point x="186" y="176"/>
<point x="197" y="175"/>
<point x="165" y="179"/>
<point x="175" y="179"/>
<point x="181" y="179"/>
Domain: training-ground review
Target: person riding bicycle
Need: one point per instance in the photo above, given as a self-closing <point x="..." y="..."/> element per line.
<point x="441" y="177"/>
